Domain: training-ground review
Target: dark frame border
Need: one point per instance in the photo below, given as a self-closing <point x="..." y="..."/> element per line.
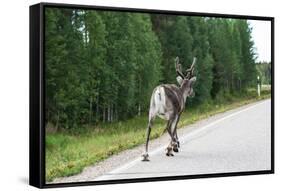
<point x="37" y="95"/>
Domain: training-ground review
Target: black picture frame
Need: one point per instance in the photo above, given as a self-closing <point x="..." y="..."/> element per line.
<point x="37" y="95"/>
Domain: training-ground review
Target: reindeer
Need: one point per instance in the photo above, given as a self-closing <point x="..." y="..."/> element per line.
<point x="168" y="102"/>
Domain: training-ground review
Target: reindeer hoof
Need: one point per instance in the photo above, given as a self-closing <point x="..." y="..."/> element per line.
<point x="169" y="152"/>
<point x="178" y="144"/>
<point x="145" y="157"/>
<point x="175" y="149"/>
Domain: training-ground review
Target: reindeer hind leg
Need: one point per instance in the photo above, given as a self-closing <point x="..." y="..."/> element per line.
<point x="169" y="149"/>
<point x="145" y="155"/>
<point x="175" y="142"/>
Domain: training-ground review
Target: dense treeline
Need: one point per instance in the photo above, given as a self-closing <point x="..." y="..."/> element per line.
<point x="103" y="66"/>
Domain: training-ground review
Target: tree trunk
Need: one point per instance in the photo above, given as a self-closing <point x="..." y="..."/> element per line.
<point x="111" y="112"/>
<point x="139" y="110"/>
<point x="104" y="114"/>
<point x="108" y="113"/>
<point x="240" y="85"/>
<point x="116" y="113"/>
<point x="227" y="86"/>
<point x="97" y="110"/>
<point x="90" y="110"/>
<point x="57" y="123"/>
<point x="232" y="82"/>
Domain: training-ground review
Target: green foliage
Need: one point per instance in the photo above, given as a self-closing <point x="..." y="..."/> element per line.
<point x="102" y="66"/>
<point x="248" y="55"/>
<point x="264" y="72"/>
<point x="232" y="49"/>
<point x="205" y="62"/>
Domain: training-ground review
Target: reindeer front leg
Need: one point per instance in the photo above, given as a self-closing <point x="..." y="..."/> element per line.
<point x="177" y="139"/>
<point x="176" y="136"/>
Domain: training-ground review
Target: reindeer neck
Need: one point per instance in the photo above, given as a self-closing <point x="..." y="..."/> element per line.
<point x="184" y="93"/>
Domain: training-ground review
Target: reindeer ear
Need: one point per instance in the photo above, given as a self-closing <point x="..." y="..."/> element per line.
<point x="193" y="79"/>
<point x="179" y="80"/>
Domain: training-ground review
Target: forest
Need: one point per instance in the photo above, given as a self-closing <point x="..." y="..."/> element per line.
<point x="102" y="66"/>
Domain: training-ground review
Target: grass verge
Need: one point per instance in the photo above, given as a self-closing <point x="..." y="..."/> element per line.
<point x="67" y="153"/>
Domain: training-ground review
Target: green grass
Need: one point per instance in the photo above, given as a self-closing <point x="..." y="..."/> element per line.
<point x="68" y="152"/>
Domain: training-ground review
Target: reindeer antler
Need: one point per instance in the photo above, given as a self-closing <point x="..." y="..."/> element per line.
<point x="178" y="67"/>
<point x="190" y="71"/>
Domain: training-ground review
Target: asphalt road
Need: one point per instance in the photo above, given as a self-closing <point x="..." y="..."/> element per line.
<point x="234" y="142"/>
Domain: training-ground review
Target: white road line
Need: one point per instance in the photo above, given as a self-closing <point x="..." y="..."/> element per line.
<point x="193" y="134"/>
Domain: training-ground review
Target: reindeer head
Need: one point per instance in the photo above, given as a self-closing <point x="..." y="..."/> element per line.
<point x="186" y="81"/>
